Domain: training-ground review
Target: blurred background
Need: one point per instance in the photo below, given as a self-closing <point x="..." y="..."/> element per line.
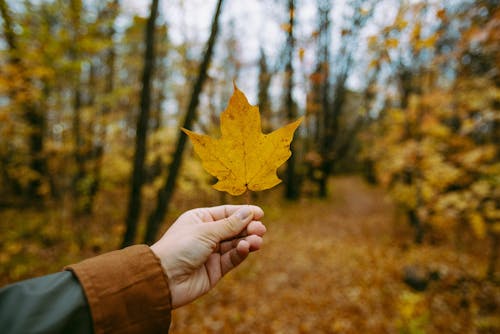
<point x="388" y="219"/>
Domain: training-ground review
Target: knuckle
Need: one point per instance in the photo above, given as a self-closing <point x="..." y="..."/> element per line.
<point x="230" y="225"/>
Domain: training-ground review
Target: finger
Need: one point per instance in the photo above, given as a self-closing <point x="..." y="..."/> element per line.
<point x="231" y="226"/>
<point x="226" y="246"/>
<point x="224" y="211"/>
<point x="234" y="257"/>
<point x="254" y="241"/>
<point x="254" y="227"/>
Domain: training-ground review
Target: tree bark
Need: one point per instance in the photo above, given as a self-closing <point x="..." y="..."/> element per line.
<point x="165" y="193"/>
<point x="134" y="204"/>
<point x="292" y="184"/>
<point x="77" y="136"/>
<point x="98" y="150"/>
<point x="31" y="113"/>
<point x="263" y="92"/>
<point x="81" y="99"/>
<point x="493" y="258"/>
<point x="330" y="143"/>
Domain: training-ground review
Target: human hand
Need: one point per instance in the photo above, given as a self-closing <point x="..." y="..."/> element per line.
<point x="204" y="244"/>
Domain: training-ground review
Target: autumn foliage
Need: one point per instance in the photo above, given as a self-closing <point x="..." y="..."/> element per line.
<point x="436" y="149"/>
<point x="244" y="158"/>
<point x="388" y="216"/>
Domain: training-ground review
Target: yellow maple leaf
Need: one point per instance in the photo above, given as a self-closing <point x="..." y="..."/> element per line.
<point x="244" y="157"/>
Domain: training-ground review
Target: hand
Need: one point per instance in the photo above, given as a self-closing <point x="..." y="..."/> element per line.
<point x="204" y="244"/>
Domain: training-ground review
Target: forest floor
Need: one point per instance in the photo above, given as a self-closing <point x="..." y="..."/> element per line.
<point x="337" y="266"/>
<point x="327" y="266"/>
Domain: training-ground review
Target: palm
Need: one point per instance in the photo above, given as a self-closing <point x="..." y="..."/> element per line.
<point x="202" y="256"/>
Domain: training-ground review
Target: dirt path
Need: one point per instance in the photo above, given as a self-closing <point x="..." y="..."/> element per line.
<point x="336" y="266"/>
<point x="333" y="266"/>
<point x="320" y="272"/>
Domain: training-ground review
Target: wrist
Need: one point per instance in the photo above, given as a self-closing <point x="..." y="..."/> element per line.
<point x="158" y="253"/>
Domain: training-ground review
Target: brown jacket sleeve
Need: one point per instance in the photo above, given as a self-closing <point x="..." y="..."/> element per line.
<point x="127" y="291"/>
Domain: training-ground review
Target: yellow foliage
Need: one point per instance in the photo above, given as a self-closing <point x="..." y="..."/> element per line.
<point x="415" y="34"/>
<point x="401" y="23"/>
<point x="475" y="157"/>
<point x="493" y="170"/>
<point x="12" y="248"/>
<point x="302" y="53"/>
<point x="23" y="174"/>
<point x="244" y="158"/>
<point x="432" y="126"/>
<point x="491" y="212"/>
<point x="441" y="14"/>
<point x="443" y="221"/>
<point x="426" y="43"/>
<point x="396" y="115"/>
<point x="413" y="313"/>
<point x="409" y="304"/>
<point x="405" y="195"/>
<point x="428" y="191"/>
<point x="374" y="63"/>
<point x="439" y="167"/>
<point x="495" y="227"/>
<point x="42" y="72"/>
<point x="478" y="225"/>
<point x="372" y="41"/>
<point x="481" y="188"/>
<point x="452" y="203"/>
<point x="116" y="168"/>
<point x="391" y="43"/>
<point x="439" y="173"/>
<point x="286" y="27"/>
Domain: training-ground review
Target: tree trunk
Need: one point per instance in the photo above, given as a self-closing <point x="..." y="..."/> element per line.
<point x="89" y="151"/>
<point x="331" y="139"/>
<point x="165" y="193"/>
<point x="493" y="258"/>
<point x="77" y="136"/>
<point x="79" y="153"/>
<point x="31" y="113"/>
<point x="134" y="205"/>
<point x="37" y="123"/>
<point x="263" y="92"/>
<point x="292" y="184"/>
<point x="417" y="226"/>
<point x="412" y="176"/>
<point x="98" y="150"/>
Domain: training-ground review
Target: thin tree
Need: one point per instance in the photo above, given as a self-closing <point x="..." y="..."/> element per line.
<point x="165" y="193"/>
<point x="292" y="183"/>
<point x="31" y="112"/>
<point x="108" y="14"/>
<point x="265" y="77"/>
<point x="319" y="101"/>
<point x="75" y="13"/>
<point x="331" y="143"/>
<point x="134" y="205"/>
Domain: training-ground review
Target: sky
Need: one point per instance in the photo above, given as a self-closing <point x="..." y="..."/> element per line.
<point x="257" y="24"/>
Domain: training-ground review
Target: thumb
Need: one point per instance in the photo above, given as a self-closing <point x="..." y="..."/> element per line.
<point x="231" y="226"/>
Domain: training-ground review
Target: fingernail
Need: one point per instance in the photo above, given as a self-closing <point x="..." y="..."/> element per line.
<point x="244" y="213"/>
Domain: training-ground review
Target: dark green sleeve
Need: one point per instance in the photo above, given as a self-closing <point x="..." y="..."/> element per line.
<point x="49" y="304"/>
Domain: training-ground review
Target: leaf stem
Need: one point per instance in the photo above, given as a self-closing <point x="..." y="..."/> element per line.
<point x="247" y="197"/>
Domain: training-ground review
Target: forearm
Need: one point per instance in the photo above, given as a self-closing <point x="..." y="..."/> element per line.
<point x="124" y="291"/>
<point x="50" y="304"/>
<point x="127" y="291"/>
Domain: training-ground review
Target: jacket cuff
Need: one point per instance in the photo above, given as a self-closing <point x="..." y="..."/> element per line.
<point x="127" y="291"/>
